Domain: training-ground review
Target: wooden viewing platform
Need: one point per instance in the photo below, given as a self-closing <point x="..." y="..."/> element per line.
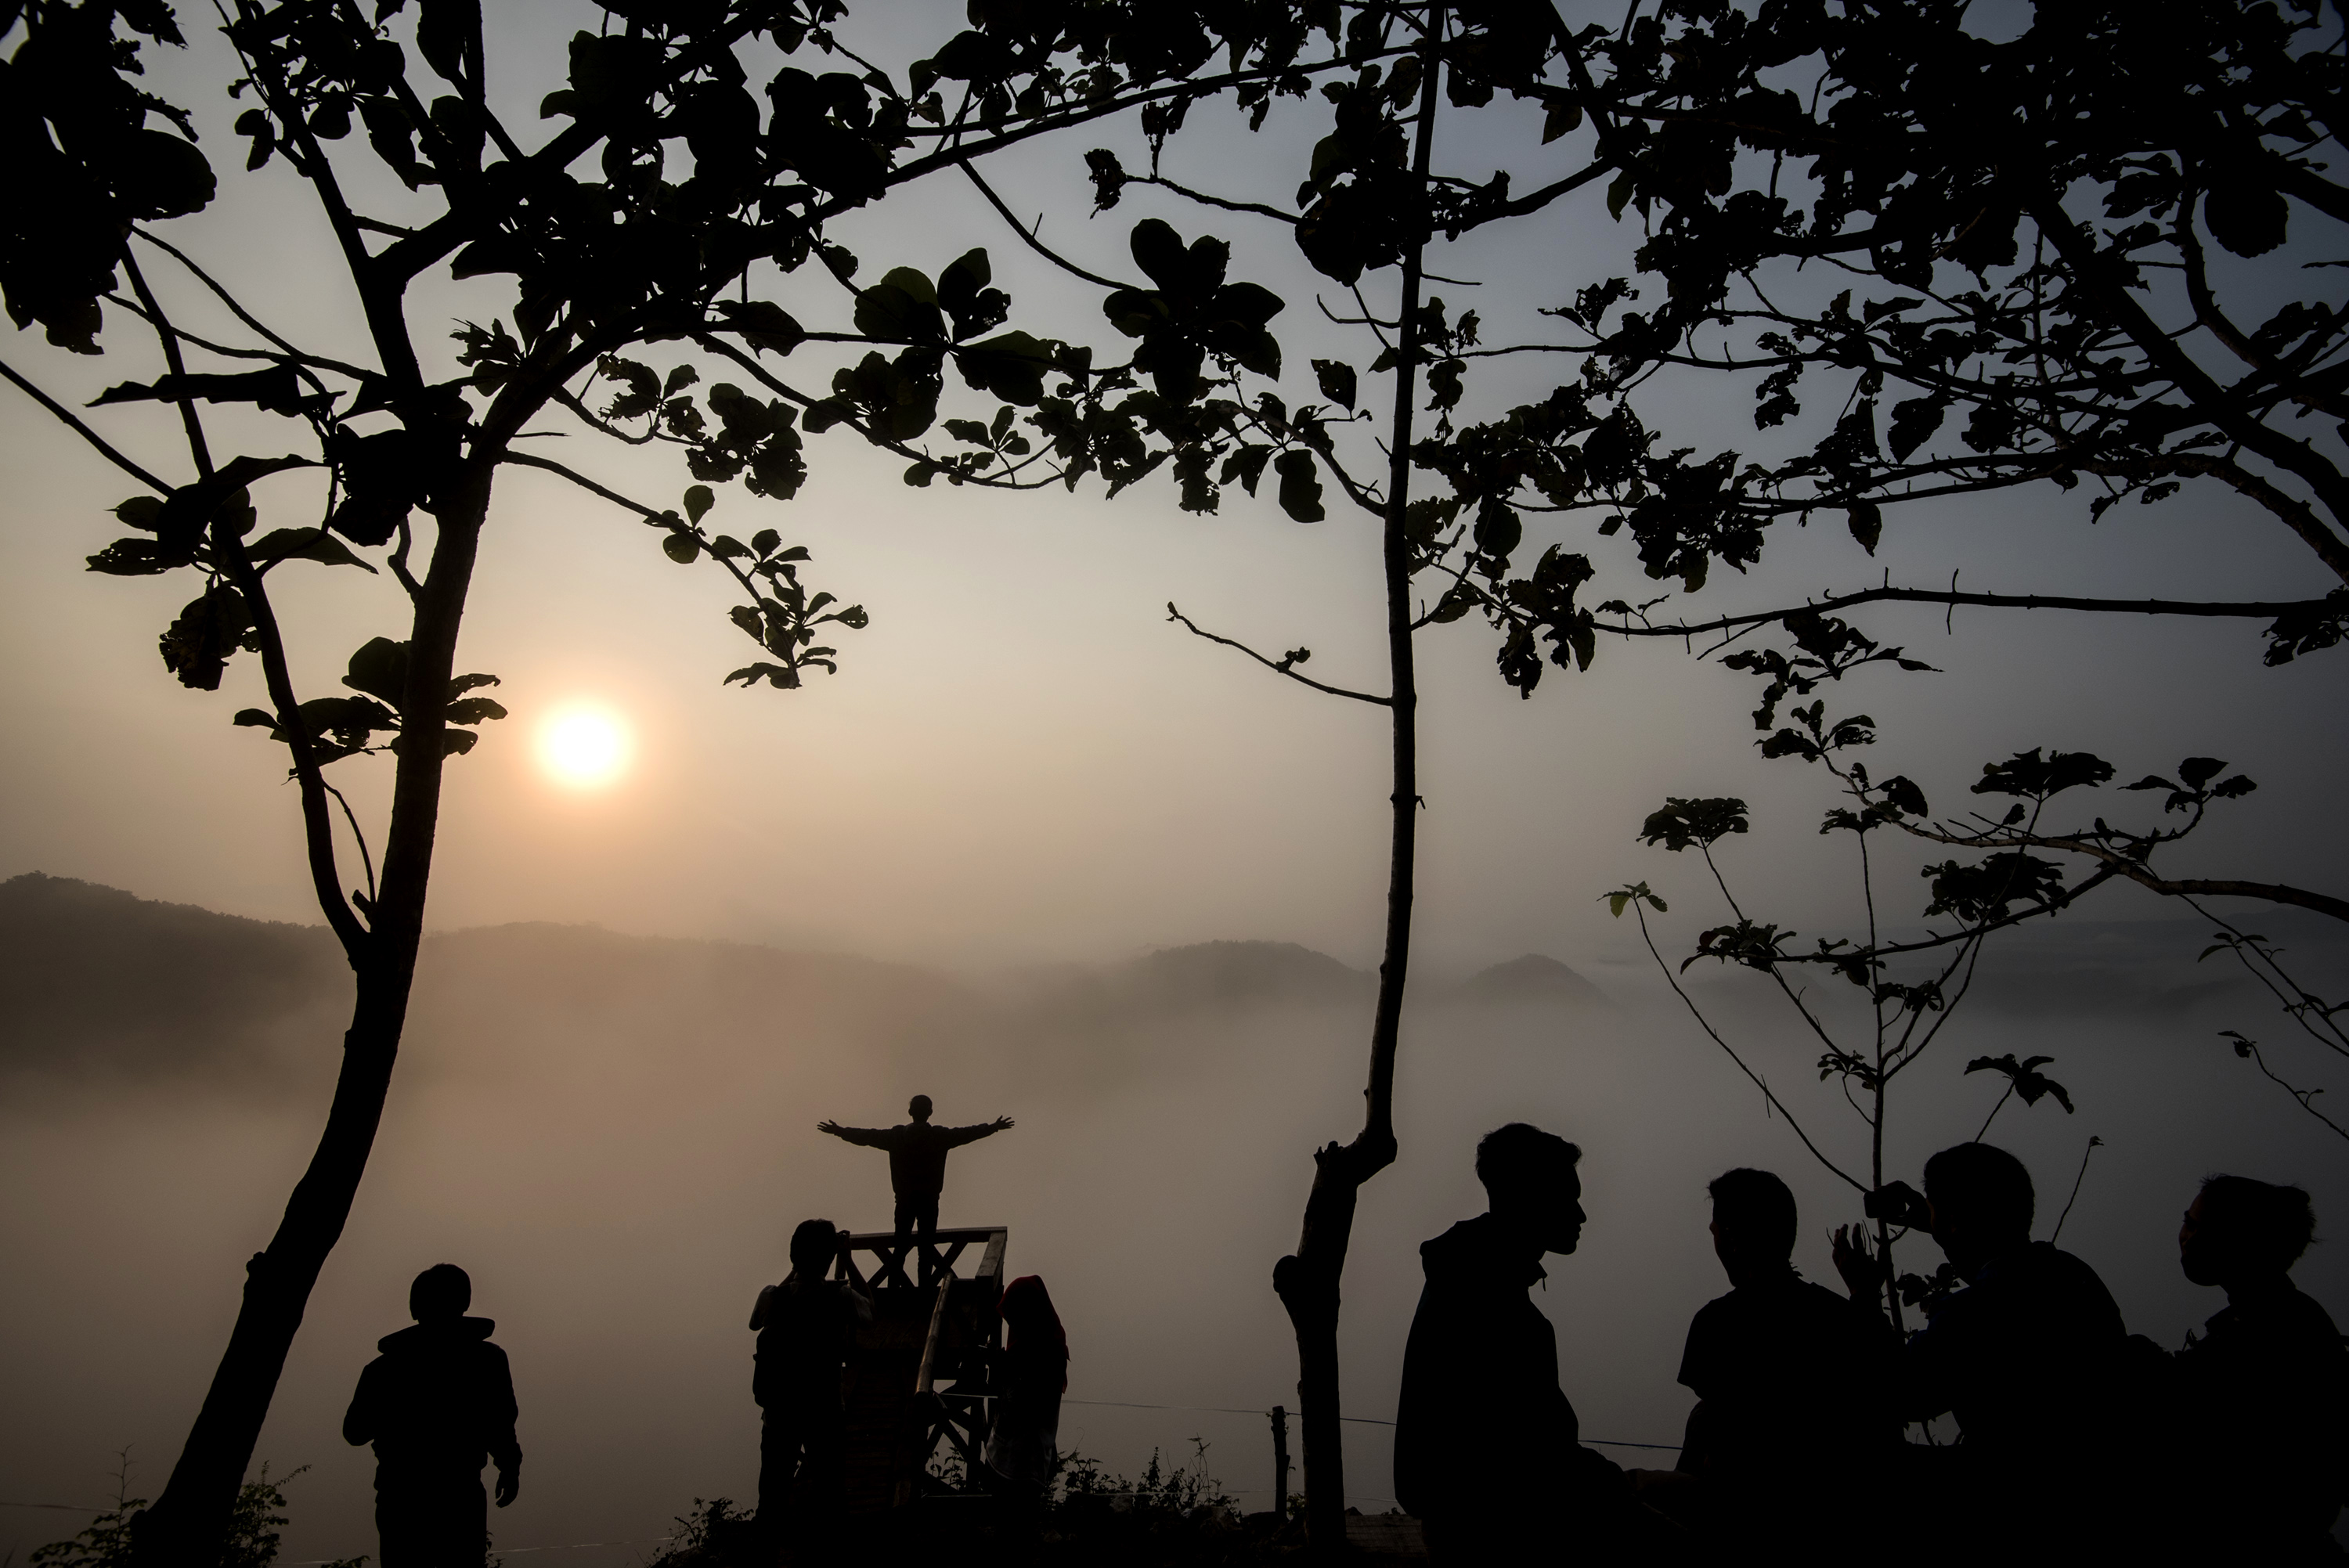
<point x="923" y="1370"/>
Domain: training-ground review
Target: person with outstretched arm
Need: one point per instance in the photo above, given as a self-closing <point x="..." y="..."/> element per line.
<point x="438" y="1405"/>
<point x="917" y="1163"/>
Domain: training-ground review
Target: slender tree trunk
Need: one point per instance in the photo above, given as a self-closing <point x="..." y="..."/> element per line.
<point x="185" y="1527"/>
<point x="1307" y="1280"/>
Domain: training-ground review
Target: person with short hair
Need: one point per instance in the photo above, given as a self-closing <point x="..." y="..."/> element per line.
<point x="1488" y="1448"/>
<point x="2264" y="1392"/>
<point x="438" y="1404"/>
<point x="917" y="1165"/>
<point x="1792" y="1380"/>
<point x="805" y="1326"/>
<point x="2029" y="1357"/>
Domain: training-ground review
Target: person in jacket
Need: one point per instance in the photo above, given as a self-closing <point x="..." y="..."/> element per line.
<point x="805" y="1327"/>
<point x="1487" y="1448"/>
<point x="438" y="1404"/>
<point x="1022" y="1446"/>
<point x="2030" y="1356"/>
<point x="917" y="1165"/>
<point x="2264" y="1394"/>
<point x="1792" y="1380"/>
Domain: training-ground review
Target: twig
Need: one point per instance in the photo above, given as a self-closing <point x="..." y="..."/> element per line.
<point x="1034" y="243"/>
<point x="66" y="417"/>
<point x="2083" y="1176"/>
<point x="366" y="860"/>
<point x="1674" y="980"/>
<point x="1275" y="667"/>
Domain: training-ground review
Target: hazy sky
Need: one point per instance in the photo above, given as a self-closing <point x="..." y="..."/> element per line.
<point x="1022" y="762"/>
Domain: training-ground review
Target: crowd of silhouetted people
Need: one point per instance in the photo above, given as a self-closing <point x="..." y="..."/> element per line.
<point x="2075" y="1440"/>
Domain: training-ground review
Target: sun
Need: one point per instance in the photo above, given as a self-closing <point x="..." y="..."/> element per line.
<point x="583" y="747"/>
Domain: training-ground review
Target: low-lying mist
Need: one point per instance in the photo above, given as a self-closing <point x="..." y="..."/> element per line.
<point x="615" y="1135"/>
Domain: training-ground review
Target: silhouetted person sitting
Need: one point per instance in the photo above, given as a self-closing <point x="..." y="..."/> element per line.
<point x="1791" y="1379"/>
<point x="2264" y="1393"/>
<point x="917" y="1164"/>
<point x="438" y="1405"/>
<point x="804" y="1326"/>
<point x="1488" y="1449"/>
<point x="2028" y="1357"/>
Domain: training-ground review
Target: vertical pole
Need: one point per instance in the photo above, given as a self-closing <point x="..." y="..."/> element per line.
<point x="1280" y="1461"/>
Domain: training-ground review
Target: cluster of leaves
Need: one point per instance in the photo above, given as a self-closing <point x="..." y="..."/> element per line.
<point x="782" y="616"/>
<point x="84" y="162"/>
<point x="2023" y="1078"/>
<point x="1995" y="337"/>
<point x="340" y="726"/>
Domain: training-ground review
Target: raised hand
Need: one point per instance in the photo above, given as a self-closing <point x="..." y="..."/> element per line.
<point x="1863" y="1272"/>
<point x="999" y="1123"/>
<point x="831" y="1126"/>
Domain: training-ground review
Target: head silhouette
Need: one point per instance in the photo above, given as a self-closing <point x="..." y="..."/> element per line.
<point x="813" y="1247"/>
<point x="1752" y="1224"/>
<point x="440" y="1294"/>
<point x="1981" y="1200"/>
<point x="919" y="1107"/>
<point x="2242" y="1231"/>
<point x="1531" y="1185"/>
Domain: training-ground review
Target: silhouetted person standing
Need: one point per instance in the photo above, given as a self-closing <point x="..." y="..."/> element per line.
<point x="438" y="1405"/>
<point x="1792" y="1380"/>
<point x="2264" y="1393"/>
<point x="1487" y="1448"/>
<point x="2028" y="1357"/>
<point x="804" y="1326"/>
<point x="1022" y="1447"/>
<point x="917" y="1163"/>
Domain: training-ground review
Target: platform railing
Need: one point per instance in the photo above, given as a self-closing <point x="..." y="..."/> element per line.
<point x="946" y="1250"/>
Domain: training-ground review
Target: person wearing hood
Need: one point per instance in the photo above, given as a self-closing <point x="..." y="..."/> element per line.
<point x="1031" y="1376"/>
<point x="438" y="1405"/>
<point x="1487" y="1451"/>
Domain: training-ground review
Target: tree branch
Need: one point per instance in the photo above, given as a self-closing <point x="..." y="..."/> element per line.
<point x="66" y="418"/>
<point x="1280" y="667"/>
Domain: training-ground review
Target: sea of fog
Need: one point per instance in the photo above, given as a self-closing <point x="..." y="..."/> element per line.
<point x="615" y="1134"/>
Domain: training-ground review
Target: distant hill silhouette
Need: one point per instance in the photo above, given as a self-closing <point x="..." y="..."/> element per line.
<point x="1230" y="973"/>
<point x="95" y="981"/>
<point x="1529" y="979"/>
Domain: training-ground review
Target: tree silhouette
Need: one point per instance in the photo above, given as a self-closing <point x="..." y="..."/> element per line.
<point x="663" y="183"/>
<point x="2098" y="258"/>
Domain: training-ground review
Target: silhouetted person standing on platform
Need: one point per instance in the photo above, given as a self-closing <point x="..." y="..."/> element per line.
<point x="1487" y="1448"/>
<point x="2028" y="1357"/>
<point x="1792" y="1380"/>
<point x="438" y="1405"/>
<point x="804" y="1327"/>
<point x="917" y="1163"/>
<point x="2264" y="1393"/>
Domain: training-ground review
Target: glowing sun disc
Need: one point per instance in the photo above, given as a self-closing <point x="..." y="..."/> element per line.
<point x="583" y="747"/>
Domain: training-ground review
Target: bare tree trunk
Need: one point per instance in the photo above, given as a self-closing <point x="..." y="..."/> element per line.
<point x="1307" y="1280"/>
<point x="188" y="1522"/>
